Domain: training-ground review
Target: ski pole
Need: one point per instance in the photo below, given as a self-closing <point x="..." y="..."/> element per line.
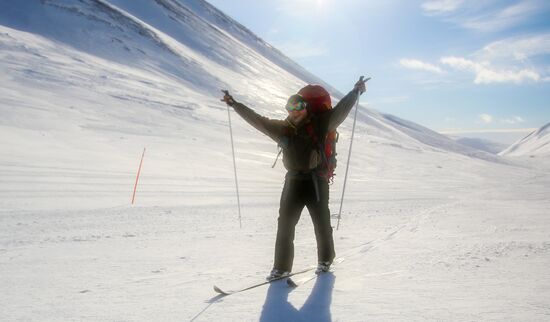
<point x="349" y="156"/>
<point x="234" y="163"/>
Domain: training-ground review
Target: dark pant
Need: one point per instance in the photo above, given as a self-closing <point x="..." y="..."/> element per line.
<point x="300" y="191"/>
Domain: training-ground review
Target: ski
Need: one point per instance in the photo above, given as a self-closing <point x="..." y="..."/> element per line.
<point x="246" y="288"/>
<point x="295" y="283"/>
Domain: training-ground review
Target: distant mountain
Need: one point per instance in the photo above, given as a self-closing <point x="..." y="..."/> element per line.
<point x="535" y="144"/>
<point x="481" y="144"/>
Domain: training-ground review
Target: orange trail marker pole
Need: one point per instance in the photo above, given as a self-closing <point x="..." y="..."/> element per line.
<point x="137" y="177"/>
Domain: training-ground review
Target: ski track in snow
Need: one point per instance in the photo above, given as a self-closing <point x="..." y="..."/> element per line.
<point x="115" y="257"/>
<point x="412" y="226"/>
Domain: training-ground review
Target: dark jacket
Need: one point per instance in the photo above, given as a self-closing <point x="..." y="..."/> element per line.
<point x="300" y="153"/>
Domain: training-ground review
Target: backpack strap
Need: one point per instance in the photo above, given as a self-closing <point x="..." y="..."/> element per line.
<point x="277" y="157"/>
<point x="283" y="142"/>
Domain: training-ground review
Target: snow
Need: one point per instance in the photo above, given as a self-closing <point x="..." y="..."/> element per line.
<point x="481" y="144"/>
<point x="536" y="144"/>
<point x="431" y="229"/>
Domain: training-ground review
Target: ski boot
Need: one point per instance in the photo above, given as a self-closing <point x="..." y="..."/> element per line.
<point x="276" y="274"/>
<point x="322" y="267"/>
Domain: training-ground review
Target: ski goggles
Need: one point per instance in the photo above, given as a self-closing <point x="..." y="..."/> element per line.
<point x="296" y="106"/>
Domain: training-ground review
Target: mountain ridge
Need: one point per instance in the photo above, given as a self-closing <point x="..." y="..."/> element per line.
<point x="536" y="143"/>
<point x="173" y="49"/>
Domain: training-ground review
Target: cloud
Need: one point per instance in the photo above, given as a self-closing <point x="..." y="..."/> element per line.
<point x="513" y="120"/>
<point x="420" y="65"/>
<point x="485" y="74"/>
<point x="486" y="118"/>
<point x="516" y="60"/>
<point x="441" y="6"/>
<point x="519" y="48"/>
<point x="503" y="18"/>
<point x="487" y="15"/>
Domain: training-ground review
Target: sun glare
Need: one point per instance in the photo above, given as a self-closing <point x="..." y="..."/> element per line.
<point x="312" y="7"/>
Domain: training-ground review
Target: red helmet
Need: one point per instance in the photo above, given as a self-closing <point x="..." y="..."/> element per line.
<point x="317" y="98"/>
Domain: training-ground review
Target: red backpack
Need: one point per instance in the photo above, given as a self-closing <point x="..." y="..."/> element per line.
<point x="318" y="100"/>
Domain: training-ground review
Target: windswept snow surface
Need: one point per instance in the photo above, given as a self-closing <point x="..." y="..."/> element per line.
<point x="431" y="230"/>
<point x="536" y="144"/>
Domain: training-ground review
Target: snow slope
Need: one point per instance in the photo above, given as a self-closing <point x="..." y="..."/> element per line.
<point x="481" y="144"/>
<point x="455" y="233"/>
<point x="192" y="44"/>
<point x="535" y="144"/>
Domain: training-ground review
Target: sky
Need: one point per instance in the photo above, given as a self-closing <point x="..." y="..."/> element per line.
<point x="462" y="67"/>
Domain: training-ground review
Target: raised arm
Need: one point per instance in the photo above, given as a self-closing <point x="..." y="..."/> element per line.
<point x="272" y="128"/>
<point x="339" y="113"/>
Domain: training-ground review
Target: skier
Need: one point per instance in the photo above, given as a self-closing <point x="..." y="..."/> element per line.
<point x="304" y="185"/>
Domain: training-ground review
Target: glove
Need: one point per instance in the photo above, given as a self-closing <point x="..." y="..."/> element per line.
<point x="228" y="99"/>
<point x="360" y="86"/>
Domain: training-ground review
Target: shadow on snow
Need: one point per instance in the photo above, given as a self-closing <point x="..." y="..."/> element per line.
<point x="316" y="308"/>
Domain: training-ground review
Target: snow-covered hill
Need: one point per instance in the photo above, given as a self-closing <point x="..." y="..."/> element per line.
<point x="121" y="75"/>
<point x="481" y="144"/>
<point x="195" y="49"/>
<point x="536" y="144"/>
<point x="87" y="84"/>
